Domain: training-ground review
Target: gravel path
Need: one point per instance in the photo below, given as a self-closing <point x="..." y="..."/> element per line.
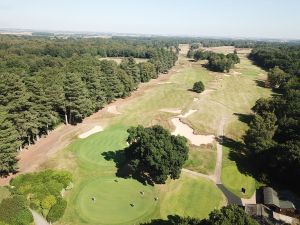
<point x="38" y="219"/>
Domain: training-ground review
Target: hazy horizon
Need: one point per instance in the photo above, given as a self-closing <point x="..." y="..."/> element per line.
<point x="216" y="18"/>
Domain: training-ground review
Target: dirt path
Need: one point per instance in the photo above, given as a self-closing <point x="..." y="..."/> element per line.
<point x="61" y="137"/>
<point x="38" y="219"/>
<point x="218" y="168"/>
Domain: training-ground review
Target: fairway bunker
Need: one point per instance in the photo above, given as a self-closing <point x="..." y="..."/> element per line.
<point x="96" y="129"/>
<point x="186" y="131"/>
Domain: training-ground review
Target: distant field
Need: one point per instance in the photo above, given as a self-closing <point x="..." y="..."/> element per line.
<point x="119" y="59"/>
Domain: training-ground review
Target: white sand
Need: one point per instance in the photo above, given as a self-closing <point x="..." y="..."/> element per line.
<point x="195" y="99"/>
<point x="186" y="131"/>
<point x="96" y="129"/>
<point x="190" y="112"/>
<point x="113" y="109"/>
<point x="177" y="111"/>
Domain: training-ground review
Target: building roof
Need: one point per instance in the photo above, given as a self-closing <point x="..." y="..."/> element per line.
<point x="271" y="198"/>
<point x="257" y="210"/>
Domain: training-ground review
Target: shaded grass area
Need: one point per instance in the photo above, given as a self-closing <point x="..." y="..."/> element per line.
<point x="202" y="159"/>
<point x="234" y="179"/>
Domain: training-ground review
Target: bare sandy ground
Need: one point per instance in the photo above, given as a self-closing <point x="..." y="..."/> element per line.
<point x="96" y="129"/>
<point x="186" y="131"/>
<point x="113" y="109"/>
<point x="176" y="111"/>
<point x="205" y="92"/>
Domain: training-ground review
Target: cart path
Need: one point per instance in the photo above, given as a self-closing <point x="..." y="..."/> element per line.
<point x="38" y="219"/>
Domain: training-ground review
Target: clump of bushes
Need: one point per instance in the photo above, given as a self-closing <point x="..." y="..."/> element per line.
<point x="43" y="191"/>
<point x="198" y="87"/>
<point x="15" y="211"/>
<point x="57" y="211"/>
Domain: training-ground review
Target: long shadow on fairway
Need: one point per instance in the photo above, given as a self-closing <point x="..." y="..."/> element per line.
<point x="123" y="170"/>
<point x="239" y="154"/>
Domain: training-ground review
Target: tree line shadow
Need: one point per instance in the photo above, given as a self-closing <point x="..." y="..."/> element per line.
<point x="123" y="169"/>
<point x="238" y="152"/>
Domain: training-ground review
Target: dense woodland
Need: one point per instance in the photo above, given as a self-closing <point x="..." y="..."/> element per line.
<point x="45" y="82"/>
<point x="274" y="134"/>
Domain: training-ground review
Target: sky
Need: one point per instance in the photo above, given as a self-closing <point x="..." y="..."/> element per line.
<point x="218" y="18"/>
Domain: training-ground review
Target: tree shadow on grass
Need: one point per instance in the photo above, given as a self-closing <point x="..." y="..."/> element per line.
<point x="238" y="153"/>
<point x="260" y="83"/>
<point x="245" y="118"/>
<point x="172" y="220"/>
<point x="123" y="169"/>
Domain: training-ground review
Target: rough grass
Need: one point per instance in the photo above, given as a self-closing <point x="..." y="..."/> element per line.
<point x="4" y="193"/>
<point x="202" y="159"/>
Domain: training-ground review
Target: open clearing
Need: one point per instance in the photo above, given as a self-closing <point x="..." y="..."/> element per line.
<point x="119" y="59"/>
<point x="92" y="160"/>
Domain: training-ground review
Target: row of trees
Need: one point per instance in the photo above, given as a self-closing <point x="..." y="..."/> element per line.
<point x="227" y="215"/>
<point x="217" y="62"/>
<point x="273" y="136"/>
<point x="37" y="96"/>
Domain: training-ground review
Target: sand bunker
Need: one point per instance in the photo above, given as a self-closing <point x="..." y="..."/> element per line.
<point x="113" y="109"/>
<point x="190" y="112"/>
<point x="177" y="111"/>
<point x="186" y="131"/>
<point x="96" y="129"/>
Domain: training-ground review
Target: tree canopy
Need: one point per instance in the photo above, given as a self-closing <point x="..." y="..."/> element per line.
<point x="45" y="82"/>
<point x="155" y="153"/>
<point x="227" y="215"/>
<point x="198" y="87"/>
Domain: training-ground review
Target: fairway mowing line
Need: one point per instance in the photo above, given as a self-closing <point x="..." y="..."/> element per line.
<point x="176" y="111"/>
<point x="96" y="129"/>
<point x="190" y="112"/>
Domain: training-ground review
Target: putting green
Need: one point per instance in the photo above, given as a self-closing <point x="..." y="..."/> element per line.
<point x="90" y="150"/>
<point x="113" y="199"/>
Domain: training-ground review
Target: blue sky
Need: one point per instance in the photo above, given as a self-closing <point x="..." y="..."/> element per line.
<point x="229" y="18"/>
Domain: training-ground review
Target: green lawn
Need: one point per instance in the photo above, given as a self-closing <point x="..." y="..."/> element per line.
<point x="190" y="196"/>
<point x="113" y="199"/>
<point x="201" y="159"/>
<point x="233" y="179"/>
